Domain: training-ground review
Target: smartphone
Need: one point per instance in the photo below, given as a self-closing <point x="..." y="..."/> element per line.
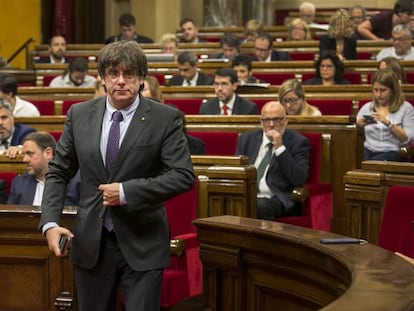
<point x="368" y="117"/>
<point x="63" y="243"/>
<point x="342" y="241"/>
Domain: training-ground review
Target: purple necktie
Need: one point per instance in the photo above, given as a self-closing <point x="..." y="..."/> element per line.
<point x="111" y="153"/>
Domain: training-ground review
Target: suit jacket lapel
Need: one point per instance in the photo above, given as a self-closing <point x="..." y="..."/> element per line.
<point x="96" y="114"/>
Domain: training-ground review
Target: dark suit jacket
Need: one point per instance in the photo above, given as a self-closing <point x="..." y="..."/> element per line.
<point x="3" y="192"/>
<point x="327" y="43"/>
<point x="46" y="60"/>
<point x="275" y="56"/>
<point x="241" y="106"/>
<point x="196" y="145"/>
<point x="153" y="165"/>
<point x="20" y="132"/>
<point x="137" y="38"/>
<point x="23" y="189"/>
<point x="290" y="169"/>
<point x="202" y="79"/>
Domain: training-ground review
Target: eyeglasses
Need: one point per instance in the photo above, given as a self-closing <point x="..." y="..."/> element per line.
<point x="326" y="66"/>
<point x="277" y="120"/>
<point x="290" y="100"/>
<point x="398" y="39"/>
<point x="114" y="75"/>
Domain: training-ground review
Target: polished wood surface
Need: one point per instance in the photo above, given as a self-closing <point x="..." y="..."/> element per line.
<point x="251" y="264"/>
<point x="32" y="277"/>
<point x="365" y="191"/>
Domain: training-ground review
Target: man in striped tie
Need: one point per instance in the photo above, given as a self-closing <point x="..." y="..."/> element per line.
<point x="281" y="157"/>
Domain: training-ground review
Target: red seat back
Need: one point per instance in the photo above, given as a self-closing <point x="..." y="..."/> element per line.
<point x="396" y="231"/>
<point x="68" y="103"/>
<point x="333" y="106"/>
<point x="45" y="107"/>
<point x="56" y="134"/>
<point x="186" y="105"/>
<point x="8" y="178"/>
<point x="352" y="77"/>
<point x="181" y="211"/>
<point x="218" y="143"/>
<point x="47" y="79"/>
<point x="302" y="55"/>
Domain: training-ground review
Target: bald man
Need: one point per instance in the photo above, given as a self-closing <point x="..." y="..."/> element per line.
<point x="288" y="165"/>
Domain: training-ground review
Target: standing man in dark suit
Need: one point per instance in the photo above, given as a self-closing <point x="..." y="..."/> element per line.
<point x="27" y="189"/>
<point x="227" y="101"/>
<point x="121" y="235"/>
<point x="281" y="157"/>
<point x="128" y="31"/>
<point x="188" y="71"/>
<point x="264" y="51"/>
<point x="11" y="133"/>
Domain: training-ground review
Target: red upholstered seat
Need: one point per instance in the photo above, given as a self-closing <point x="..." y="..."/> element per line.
<point x="45" y="107"/>
<point x="261" y="101"/>
<point x="302" y="55"/>
<point x="218" y="143"/>
<point x="8" y="178"/>
<point x="352" y="77"/>
<point x="186" y="105"/>
<point x="56" y="134"/>
<point x="363" y="55"/>
<point x="183" y="278"/>
<point x="67" y="103"/>
<point x="317" y="208"/>
<point x="396" y="231"/>
<point x="333" y="106"/>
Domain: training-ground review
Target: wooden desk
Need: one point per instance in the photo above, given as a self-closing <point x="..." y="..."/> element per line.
<point x="365" y="191"/>
<point x="32" y="277"/>
<point x="255" y="265"/>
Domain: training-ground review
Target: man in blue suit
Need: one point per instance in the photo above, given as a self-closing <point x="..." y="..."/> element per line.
<point x="287" y="165"/>
<point x="11" y="133"/>
<point x="27" y="189"/>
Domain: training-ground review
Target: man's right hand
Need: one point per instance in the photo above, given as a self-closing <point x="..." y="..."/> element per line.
<point x="53" y="236"/>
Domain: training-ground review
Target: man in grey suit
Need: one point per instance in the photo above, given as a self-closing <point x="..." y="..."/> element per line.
<point x="120" y="235"/>
<point x="287" y="164"/>
<point x="227" y="101"/>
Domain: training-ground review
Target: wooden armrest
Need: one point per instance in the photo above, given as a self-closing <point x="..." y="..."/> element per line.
<point x="177" y="247"/>
<point x="300" y="194"/>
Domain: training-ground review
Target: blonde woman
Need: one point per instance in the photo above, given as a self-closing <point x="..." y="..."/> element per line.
<point x="169" y="43"/>
<point x="340" y="37"/>
<point x="298" y="30"/>
<point x="292" y="97"/>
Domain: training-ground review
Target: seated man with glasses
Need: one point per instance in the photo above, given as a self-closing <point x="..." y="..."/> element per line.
<point x="281" y="157"/>
<point x="227" y="101"/>
<point x="401" y="45"/>
<point x="264" y="51"/>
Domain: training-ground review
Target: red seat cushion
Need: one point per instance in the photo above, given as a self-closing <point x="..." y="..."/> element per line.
<point x="186" y="105"/>
<point x="333" y="106"/>
<point x="68" y="103"/>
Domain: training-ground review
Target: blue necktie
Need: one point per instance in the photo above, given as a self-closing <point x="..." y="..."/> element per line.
<point x="111" y="153"/>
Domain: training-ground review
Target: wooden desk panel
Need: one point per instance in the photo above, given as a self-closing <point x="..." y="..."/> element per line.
<point x="32" y="276"/>
<point x="365" y="191"/>
<point x="251" y="264"/>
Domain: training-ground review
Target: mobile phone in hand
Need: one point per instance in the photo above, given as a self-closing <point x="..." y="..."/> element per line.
<point x="63" y="243"/>
<point x="368" y="117"/>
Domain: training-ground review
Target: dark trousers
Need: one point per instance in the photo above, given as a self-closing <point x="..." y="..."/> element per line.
<point x="382" y="156"/>
<point x="97" y="287"/>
